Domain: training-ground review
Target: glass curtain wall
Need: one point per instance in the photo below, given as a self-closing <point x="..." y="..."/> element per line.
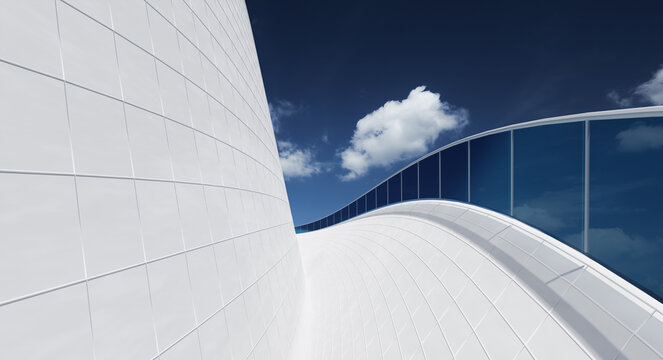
<point x="596" y="186"/>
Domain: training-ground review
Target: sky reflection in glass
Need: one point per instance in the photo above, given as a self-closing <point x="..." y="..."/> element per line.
<point x="454" y="172"/>
<point x="626" y="198"/>
<point x="548" y="175"/>
<point x="429" y="177"/>
<point x="370" y="200"/>
<point x="490" y="158"/>
<point x="410" y="182"/>
<point x="381" y="194"/>
<point x="395" y="189"/>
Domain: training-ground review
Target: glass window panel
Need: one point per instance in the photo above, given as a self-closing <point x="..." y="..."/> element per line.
<point x="370" y="200"/>
<point x="490" y="172"/>
<point x="429" y="177"/>
<point x="625" y="197"/>
<point x="381" y="194"/>
<point x="410" y="182"/>
<point x="395" y="188"/>
<point x="353" y="209"/>
<point x="337" y="217"/>
<point x="330" y="220"/>
<point x="361" y="205"/>
<point x="344" y="214"/>
<point x="548" y="170"/>
<point x="454" y="172"/>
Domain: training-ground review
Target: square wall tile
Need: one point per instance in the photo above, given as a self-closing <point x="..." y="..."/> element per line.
<point x="200" y="113"/>
<point x="55" y="325"/>
<point x="40" y="234"/>
<point x="98" y="134"/>
<point x="205" y="283"/>
<point x="130" y="21"/>
<point x="171" y="299"/>
<point x="109" y="219"/>
<point x="159" y="218"/>
<point x="218" y="212"/>
<point x="139" y="76"/>
<point x="193" y="215"/>
<point x="229" y="274"/>
<point x="33" y="117"/>
<point x="209" y="159"/>
<point x="183" y="153"/>
<point x="30" y="36"/>
<point x="149" y="144"/>
<point x="164" y="38"/>
<point x="173" y="94"/>
<point x="88" y="52"/>
<point x="122" y="316"/>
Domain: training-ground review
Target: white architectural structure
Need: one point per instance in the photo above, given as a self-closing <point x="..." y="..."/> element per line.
<point x="143" y="215"/>
<point x="143" y="212"/>
<point x="435" y="279"/>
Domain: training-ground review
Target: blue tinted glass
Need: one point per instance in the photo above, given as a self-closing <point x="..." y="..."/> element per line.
<point x="395" y="188"/>
<point x="337" y="217"/>
<point x="361" y="205"/>
<point x="548" y="168"/>
<point x="625" y="197"/>
<point x="330" y="220"/>
<point x="316" y="225"/>
<point x="454" y="172"/>
<point x="344" y="214"/>
<point x="353" y="209"/>
<point x="381" y="193"/>
<point x="429" y="177"/>
<point x="490" y="172"/>
<point x="410" y="182"/>
<point x="370" y="200"/>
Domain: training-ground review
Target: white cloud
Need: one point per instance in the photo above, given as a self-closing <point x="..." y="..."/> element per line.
<point x="297" y="162"/>
<point x="280" y="109"/>
<point x="640" y="138"/>
<point x="652" y="90"/>
<point x="399" y="130"/>
<point x="619" y="100"/>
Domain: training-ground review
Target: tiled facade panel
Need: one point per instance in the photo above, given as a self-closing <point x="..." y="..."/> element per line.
<point x="435" y="279"/>
<point x="143" y="212"/>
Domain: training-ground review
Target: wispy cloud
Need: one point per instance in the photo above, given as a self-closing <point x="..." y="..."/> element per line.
<point x="399" y="130"/>
<point x="298" y="162"/>
<point x="280" y="109"/>
<point x="619" y="100"/>
<point x="652" y="90"/>
<point x="639" y="138"/>
<point x="649" y="92"/>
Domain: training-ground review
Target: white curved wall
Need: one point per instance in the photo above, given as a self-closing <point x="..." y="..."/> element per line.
<point x="441" y="280"/>
<point x="143" y="212"/>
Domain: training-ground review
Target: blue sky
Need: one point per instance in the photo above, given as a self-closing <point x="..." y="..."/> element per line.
<point x="358" y="89"/>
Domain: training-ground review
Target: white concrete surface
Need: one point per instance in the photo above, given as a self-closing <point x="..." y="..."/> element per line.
<point x="442" y="280"/>
<point x="143" y="212"/>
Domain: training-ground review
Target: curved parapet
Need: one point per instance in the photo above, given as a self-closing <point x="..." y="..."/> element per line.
<point x="437" y="279"/>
